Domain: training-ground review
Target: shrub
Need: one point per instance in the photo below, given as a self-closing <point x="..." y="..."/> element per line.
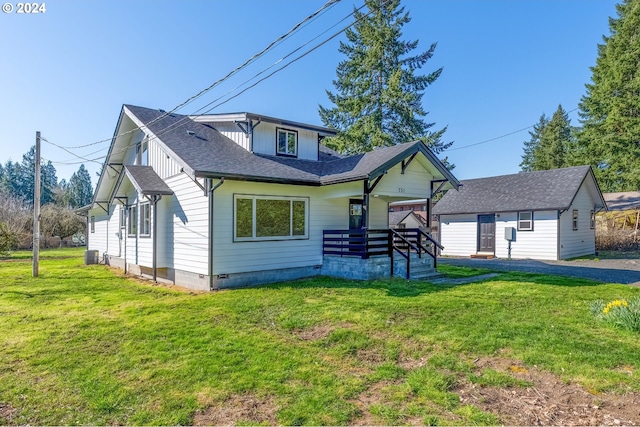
<point x="8" y="240"/>
<point x="621" y="313"/>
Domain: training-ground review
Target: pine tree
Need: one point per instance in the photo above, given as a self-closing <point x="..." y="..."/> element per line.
<point x="378" y="99"/>
<point x="528" y="159"/>
<point x="555" y="142"/>
<point x="79" y="188"/>
<point x="610" y="110"/>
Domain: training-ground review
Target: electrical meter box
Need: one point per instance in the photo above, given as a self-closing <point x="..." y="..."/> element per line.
<point x="510" y="233"/>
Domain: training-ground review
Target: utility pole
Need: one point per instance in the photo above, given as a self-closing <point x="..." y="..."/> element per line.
<point x="36" y="209"/>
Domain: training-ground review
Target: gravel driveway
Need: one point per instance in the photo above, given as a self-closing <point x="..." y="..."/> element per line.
<point x="625" y="271"/>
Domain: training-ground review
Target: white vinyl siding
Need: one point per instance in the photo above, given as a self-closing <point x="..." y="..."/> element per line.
<point x="578" y="242"/>
<point x="98" y="239"/>
<point x="325" y="212"/>
<point x="459" y="234"/>
<point x="413" y="184"/>
<point x="186" y="225"/>
<point x="539" y="243"/>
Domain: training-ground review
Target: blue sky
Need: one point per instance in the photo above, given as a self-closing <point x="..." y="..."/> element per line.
<point x="67" y="72"/>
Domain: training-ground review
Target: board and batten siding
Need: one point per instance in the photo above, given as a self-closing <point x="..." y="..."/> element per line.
<point x="163" y="164"/>
<point x="459" y="234"/>
<point x="264" y="140"/>
<point x="540" y="243"/>
<point x="233" y="132"/>
<point x="187" y="227"/>
<point x="582" y="241"/>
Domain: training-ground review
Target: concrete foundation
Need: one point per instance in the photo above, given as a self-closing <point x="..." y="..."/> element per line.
<point x="334" y="266"/>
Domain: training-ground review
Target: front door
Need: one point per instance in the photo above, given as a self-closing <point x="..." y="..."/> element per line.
<point x="486" y="233"/>
<point x="355" y="214"/>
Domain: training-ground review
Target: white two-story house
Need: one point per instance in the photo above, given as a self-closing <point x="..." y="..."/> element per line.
<point x="227" y="200"/>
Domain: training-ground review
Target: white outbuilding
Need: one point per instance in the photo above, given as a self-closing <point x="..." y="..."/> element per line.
<point x="546" y="215"/>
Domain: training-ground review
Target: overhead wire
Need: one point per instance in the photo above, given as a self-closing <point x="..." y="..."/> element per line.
<point x="252" y="59"/>
<point x="185" y="119"/>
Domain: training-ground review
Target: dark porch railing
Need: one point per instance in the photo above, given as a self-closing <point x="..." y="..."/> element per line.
<point x="380" y="242"/>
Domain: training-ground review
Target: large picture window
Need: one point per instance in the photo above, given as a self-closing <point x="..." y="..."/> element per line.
<point x="525" y="221"/>
<point x="270" y="218"/>
<point x="287" y="142"/>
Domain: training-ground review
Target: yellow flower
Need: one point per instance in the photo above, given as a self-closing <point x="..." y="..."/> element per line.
<point x="615" y="303"/>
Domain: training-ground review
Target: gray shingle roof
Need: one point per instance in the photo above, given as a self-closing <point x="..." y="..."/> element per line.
<point x="541" y="190"/>
<point x="146" y="181"/>
<point x="205" y="152"/>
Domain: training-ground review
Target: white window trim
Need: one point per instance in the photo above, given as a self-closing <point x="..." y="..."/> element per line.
<point x="287" y="132"/>
<point x="93" y="224"/>
<point x="520" y="220"/>
<point x="132" y="221"/>
<point x="145" y="219"/>
<point x="574" y="220"/>
<point x="254" y="238"/>
<point x="592" y="220"/>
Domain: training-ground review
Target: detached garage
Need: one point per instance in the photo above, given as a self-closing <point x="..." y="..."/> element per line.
<point x="547" y="215"/>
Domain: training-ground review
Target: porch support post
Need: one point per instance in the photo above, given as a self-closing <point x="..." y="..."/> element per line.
<point x="155" y="199"/>
<point x="365" y="205"/>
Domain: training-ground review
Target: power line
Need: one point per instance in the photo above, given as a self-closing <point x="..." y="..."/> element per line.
<point x="498" y="137"/>
<point x="274" y="43"/>
<point x="186" y="119"/>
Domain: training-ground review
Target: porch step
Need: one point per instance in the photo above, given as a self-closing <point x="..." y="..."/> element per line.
<point x="427" y="276"/>
<point x="482" y="256"/>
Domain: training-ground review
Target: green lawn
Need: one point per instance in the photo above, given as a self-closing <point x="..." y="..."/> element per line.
<point x="85" y="345"/>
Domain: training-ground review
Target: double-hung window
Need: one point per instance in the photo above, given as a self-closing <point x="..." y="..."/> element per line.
<point x="592" y="220"/>
<point x="145" y="219"/>
<point x="270" y="218"/>
<point x="525" y="221"/>
<point x="575" y="219"/>
<point x="93" y="224"/>
<point x="286" y="142"/>
<point x="132" y="229"/>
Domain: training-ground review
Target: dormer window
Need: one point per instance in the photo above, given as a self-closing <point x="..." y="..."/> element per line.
<point x="286" y="142"/>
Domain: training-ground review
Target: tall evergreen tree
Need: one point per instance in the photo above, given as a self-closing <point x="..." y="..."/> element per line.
<point x="555" y="142"/>
<point x="528" y="157"/>
<point x="378" y="99"/>
<point x="26" y="173"/>
<point x="79" y="187"/>
<point x="610" y="109"/>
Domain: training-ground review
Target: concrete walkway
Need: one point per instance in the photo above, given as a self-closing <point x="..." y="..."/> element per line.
<point x="626" y="271"/>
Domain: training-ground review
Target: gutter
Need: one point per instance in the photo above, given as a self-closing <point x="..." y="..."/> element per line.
<point x="210" y="189"/>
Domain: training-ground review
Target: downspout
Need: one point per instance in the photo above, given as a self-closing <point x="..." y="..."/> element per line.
<point x="155" y="200"/>
<point x="126" y="234"/>
<point x="211" y="188"/>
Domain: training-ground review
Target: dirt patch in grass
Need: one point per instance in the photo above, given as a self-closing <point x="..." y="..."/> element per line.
<point x="549" y="402"/>
<point x="318" y="332"/>
<point x="7" y="414"/>
<point x="243" y="409"/>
